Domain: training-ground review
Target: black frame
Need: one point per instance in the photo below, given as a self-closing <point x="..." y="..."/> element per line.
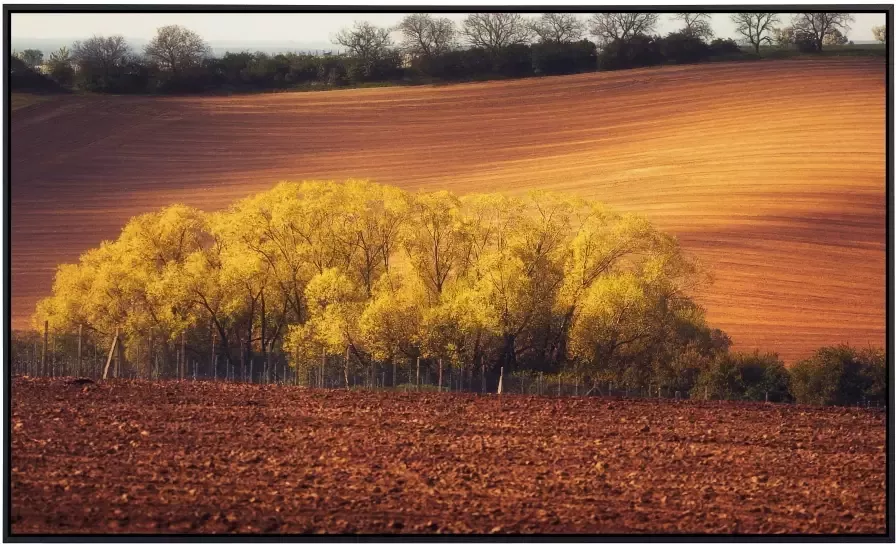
<point x="8" y="10"/>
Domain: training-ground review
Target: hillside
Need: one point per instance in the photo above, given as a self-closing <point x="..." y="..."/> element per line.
<point x="772" y="172"/>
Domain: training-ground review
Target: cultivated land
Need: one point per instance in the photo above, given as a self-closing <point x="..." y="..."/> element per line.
<point x="771" y="172"/>
<point x="212" y="457"/>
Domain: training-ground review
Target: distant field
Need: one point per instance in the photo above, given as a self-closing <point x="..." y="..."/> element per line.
<point x="141" y="457"/>
<point x="771" y="172"/>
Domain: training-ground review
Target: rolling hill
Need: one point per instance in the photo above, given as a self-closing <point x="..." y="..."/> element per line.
<point x="772" y="173"/>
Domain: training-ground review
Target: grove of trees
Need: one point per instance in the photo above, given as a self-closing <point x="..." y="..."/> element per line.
<point x="424" y="48"/>
<point x="367" y="280"/>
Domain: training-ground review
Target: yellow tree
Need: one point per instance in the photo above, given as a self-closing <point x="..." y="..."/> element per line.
<point x="390" y="322"/>
<point x="602" y="242"/>
<point x="335" y="305"/>
<point x="375" y="215"/>
<point x="520" y="272"/>
<point x="626" y="312"/>
<point x="435" y="240"/>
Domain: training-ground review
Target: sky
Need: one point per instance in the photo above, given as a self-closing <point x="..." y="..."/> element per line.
<point x="311" y="30"/>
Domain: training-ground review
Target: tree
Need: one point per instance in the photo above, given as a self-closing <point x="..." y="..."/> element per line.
<point x="59" y="66"/>
<point x="755" y="27"/>
<point x="608" y="27"/>
<point x="175" y="49"/>
<point x="495" y="31"/>
<point x="365" y="42"/>
<point x="835" y="37"/>
<point x="818" y="26"/>
<point x="879" y="33"/>
<point x="32" y="57"/>
<point x="681" y="47"/>
<point x="426" y="36"/>
<point x="558" y="27"/>
<point x="101" y="56"/>
<point x="837" y="375"/>
<point x="625" y="313"/>
<point x="696" y="25"/>
<point x="433" y="240"/>
<point x="783" y="36"/>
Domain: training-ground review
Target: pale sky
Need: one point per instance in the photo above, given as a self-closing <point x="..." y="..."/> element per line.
<point x="288" y="27"/>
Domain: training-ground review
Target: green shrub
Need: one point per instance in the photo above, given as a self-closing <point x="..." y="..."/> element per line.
<point x="840" y="375"/>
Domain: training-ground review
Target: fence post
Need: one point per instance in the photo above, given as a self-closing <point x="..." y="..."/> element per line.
<point x="418" y="373"/>
<point x="501" y="382"/>
<point x="111" y="354"/>
<point x="323" y="359"/>
<point x="183" y="354"/>
<point x="43" y="354"/>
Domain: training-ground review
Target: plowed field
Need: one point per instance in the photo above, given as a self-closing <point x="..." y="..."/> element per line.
<point x="772" y="172"/>
<point x="204" y="457"/>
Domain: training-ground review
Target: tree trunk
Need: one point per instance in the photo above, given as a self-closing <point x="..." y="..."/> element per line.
<point x="440" y="374"/>
<point x="394" y="373"/>
<point x="347" y="359"/>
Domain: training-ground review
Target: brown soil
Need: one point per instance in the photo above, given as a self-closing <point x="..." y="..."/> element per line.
<point x="772" y="172"/>
<point x="209" y="457"/>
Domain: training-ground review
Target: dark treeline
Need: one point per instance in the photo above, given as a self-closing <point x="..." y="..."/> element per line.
<point x="429" y="49"/>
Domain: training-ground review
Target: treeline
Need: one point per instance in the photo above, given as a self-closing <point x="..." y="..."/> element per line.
<point x="352" y="279"/>
<point x="429" y="48"/>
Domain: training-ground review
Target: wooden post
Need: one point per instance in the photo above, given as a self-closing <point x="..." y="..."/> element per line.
<point x="501" y="382"/>
<point x="323" y="358"/>
<point x="214" y="360"/>
<point x="348" y="355"/>
<point x="111" y="353"/>
<point x="766" y="396"/>
<point x="577" y="385"/>
<point x="183" y="354"/>
<point x="80" y="332"/>
<point x="43" y="353"/>
<point x="440" y="374"/>
<point x="418" y="373"/>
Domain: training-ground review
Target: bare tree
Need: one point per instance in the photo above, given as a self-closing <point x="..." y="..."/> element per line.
<point x="756" y="28"/>
<point x="365" y="41"/>
<point x="175" y="48"/>
<point x="816" y="26"/>
<point x="558" y="27"/>
<point x="425" y="36"/>
<point x="492" y="31"/>
<point x="696" y="24"/>
<point x="880" y="33"/>
<point x="100" y="54"/>
<point x="607" y="27"/>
